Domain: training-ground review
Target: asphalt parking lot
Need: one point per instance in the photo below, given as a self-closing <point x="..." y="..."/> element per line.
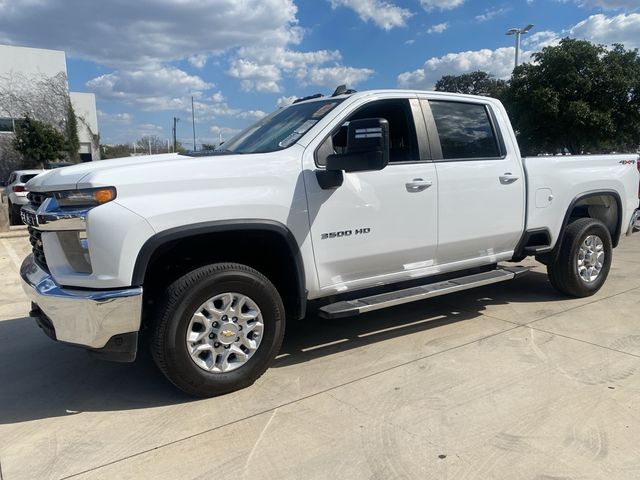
<point x="510" y="381"/>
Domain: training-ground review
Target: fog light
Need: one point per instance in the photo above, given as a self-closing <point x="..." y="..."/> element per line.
<point x="76" y="248"/>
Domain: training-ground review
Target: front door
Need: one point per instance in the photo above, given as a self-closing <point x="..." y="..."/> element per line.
<point x="377" y="227"/>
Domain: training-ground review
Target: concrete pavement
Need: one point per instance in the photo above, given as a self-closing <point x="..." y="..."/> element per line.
<point x="508" y="381"/>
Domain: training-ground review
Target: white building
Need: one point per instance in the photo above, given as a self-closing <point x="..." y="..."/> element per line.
<point x="37" y="62"/>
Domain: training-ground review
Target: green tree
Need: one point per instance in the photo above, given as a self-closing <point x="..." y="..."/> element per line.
<point x="474" y="83"/>
<point x="115" y="151"/>
<point x="576" y="96"/>
<point x="71" y="133"/>
<point x="38" y="142"/>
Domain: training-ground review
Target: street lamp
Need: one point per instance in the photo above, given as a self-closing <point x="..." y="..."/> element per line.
<point x="517" y="32"/>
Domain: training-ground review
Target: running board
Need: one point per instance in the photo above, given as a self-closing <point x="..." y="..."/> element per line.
<point x="376" y="302"/>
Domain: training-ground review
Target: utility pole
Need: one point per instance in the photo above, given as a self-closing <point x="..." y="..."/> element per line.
<point x="193" y="122"/>
<point x="175" y="127"/>
<point x="518" y="32"/>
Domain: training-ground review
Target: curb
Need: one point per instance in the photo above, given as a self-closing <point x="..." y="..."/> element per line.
<point x="15" y="234"/>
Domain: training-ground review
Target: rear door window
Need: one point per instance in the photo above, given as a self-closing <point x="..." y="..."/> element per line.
<point x="465" y="130"/>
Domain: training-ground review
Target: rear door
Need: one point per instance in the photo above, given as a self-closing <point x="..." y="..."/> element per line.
<point x="481" y="194"/>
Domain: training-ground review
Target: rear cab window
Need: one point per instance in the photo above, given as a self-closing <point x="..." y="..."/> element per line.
<point x="466" y="130"/>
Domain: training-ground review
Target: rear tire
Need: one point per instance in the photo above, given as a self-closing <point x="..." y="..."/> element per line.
<point x="584" y="259"/>
<point x="14" y="214"/>
<point x="219" y="329"/>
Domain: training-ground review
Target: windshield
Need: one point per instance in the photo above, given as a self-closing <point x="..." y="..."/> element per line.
<point x="281" y="129"/>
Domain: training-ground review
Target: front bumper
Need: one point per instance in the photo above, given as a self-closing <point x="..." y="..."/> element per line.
<point x="634" y="225"/>
<point x="103" y="321"/>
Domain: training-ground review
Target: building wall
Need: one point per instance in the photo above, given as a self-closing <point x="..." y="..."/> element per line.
<point x="31" y="61"/>
<point x="84" y="105"/>
<point x="37" y="61"/>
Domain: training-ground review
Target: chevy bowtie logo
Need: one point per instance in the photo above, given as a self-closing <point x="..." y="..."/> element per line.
<point x="227" y="333"/>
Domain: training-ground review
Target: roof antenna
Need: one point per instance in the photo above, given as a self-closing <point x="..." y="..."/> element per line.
<point x="343" y="90"/>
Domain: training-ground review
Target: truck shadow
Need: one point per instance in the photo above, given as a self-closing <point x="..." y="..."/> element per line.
<point x="316" y="337"/>
<point x="41" y="379"/>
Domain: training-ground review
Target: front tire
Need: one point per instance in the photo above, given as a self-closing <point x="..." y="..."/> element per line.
<point x="219" y="328"/>
<point x="584" y="259"/>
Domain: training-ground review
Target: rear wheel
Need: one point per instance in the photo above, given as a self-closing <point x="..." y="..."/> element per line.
<point x="220" y="327"/>
<point x="14" y="214"/>
<point x="584" y="259"/>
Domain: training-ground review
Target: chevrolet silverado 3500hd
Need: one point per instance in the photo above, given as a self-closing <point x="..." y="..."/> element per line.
<point x="369" y="199"/>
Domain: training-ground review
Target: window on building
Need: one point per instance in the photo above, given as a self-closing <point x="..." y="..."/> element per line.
<point x="6" y="124"/>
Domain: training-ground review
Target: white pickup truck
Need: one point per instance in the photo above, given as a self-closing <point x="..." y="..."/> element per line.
<point x="358" y="201"/>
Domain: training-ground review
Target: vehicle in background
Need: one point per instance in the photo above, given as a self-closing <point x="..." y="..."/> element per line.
<point x="16" y="193"/>
<point x="53" y="165"/>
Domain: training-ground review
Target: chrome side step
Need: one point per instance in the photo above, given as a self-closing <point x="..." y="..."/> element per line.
<point x="376" y="302"/>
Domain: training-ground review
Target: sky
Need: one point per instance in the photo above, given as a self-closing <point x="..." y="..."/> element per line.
<point x="241" y="59"/>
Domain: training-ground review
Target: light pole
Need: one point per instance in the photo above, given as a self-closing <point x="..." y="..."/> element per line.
<point x="517" y="32"/>
<point x="175" y="132"/>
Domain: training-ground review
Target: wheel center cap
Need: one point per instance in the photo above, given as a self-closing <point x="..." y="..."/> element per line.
<point x="228" y="333"/>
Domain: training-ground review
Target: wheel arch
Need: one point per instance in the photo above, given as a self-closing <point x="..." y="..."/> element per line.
<point x="162" y="243"/>
<point x="598" y="206"/>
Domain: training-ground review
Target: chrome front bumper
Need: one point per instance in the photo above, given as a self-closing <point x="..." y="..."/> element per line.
<point x="634" y="225"/>
<point x="88" y="318"/>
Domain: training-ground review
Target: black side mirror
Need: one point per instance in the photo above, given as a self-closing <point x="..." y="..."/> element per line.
<point x="367" y="147"/>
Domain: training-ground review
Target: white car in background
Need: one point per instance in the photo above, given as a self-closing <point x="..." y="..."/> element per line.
<point x="16" y="193"/>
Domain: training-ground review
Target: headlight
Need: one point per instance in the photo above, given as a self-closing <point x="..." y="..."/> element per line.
<point x="90" y="197"/>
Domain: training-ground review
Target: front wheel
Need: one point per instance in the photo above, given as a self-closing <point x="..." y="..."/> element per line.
<point x="218" y="330"/>
<point x="584" y="259"/>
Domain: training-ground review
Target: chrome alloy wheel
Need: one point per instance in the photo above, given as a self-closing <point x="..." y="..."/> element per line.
<point x="591" y="258"/>
<point x="224" y="332"/>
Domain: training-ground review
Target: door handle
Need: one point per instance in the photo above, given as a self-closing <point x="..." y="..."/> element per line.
<point x="418" y="185"/>
<point x="508" y="178"/>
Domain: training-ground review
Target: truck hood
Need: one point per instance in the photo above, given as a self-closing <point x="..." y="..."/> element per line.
<point x="68" y="178"/>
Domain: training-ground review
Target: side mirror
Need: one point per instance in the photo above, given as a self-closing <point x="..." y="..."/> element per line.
<point x="367" y="147"/>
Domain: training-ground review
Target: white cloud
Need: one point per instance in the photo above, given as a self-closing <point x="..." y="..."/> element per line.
<point x="131" y="34"/>
<point x="115" y="118"/>
<point x="624" y="29"/>
<point x="438" y="28"/>
<point x="497" y="62"/>
<point x="218" y="97"/>
<point x="384" y="14"/>
<point x="252" y="115"/>
<point x="537" y="41"/>
<point x="253" y="76"/>
<point x="284" y="101"/>
<point x="333" y="76"/>
<point x="607" y="4"/>
<point x="154" y="89"/>
<point x="198" y="60"/>
<point x="490" y="14"/>
<point x="430" y="5"/>
<point x="262" y="69"/>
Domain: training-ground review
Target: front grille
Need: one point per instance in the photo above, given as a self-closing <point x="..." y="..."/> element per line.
<point x="35" y="238"/>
